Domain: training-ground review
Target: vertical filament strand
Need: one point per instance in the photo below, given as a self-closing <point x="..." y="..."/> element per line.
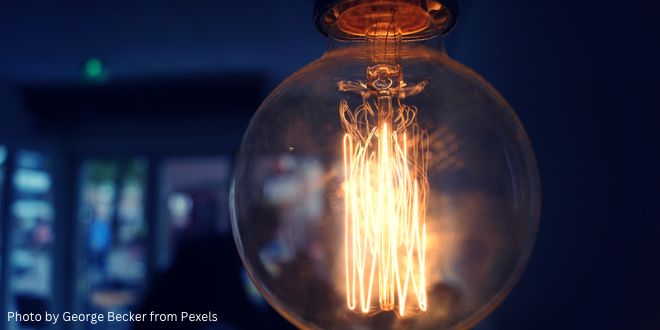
<point x="386" y="191"/>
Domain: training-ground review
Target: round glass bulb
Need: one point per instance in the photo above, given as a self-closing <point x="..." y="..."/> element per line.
<point x="385" y="186"/>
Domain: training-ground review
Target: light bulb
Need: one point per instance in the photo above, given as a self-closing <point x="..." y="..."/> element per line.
<point x="385" y="185"/>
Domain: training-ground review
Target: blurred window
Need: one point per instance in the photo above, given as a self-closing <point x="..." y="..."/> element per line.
<point x="3" y="160"/>
<point x="194" y="201"/>
<point x="31" y="235"/>
<point x="113" y="233"/>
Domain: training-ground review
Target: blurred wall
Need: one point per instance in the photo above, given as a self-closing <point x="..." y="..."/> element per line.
<point x="15" y="121"/>
<point x="584" y="78"/>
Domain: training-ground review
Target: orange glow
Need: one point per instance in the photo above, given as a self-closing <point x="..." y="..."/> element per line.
<point x="357" y="19"/>
<point x="386" y="192"/>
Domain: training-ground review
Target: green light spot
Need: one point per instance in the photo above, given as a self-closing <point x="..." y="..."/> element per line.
<point x="94" y="68"/>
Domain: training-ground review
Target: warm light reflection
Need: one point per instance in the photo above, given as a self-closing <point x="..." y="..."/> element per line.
<point x="386" y="193"/>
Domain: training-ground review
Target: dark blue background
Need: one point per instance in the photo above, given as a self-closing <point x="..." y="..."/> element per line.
<point x="582" y="75"/>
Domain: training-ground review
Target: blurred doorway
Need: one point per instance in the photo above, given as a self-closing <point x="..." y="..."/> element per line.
<point x="194" y="193"/>
<point x="112" y="234"/>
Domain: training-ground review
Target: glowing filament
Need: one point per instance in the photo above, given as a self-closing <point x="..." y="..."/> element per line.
<point x="386" y="191"/>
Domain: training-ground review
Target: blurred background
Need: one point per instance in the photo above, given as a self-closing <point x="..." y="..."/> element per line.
<point x="119" y="121"/>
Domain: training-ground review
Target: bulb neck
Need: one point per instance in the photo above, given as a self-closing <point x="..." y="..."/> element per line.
<point x="385" y="28"/>
<point x="394" y="47"/>
<point x="413" y="19"/>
